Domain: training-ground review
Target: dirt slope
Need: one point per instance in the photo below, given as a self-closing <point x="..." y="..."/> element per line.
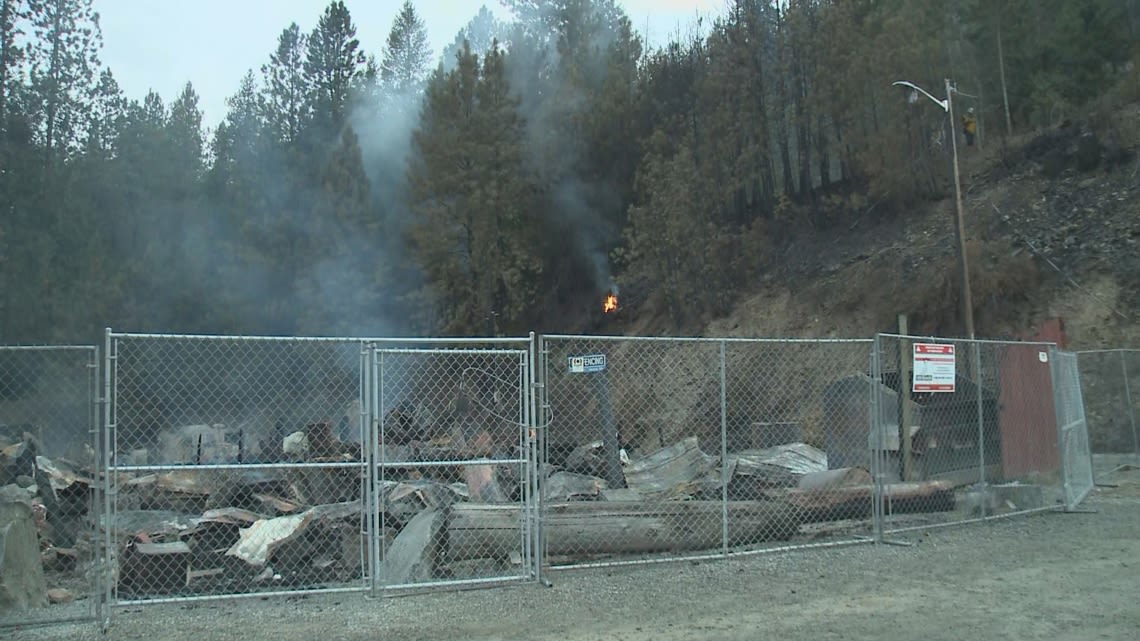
<point x="1053" y="223"/>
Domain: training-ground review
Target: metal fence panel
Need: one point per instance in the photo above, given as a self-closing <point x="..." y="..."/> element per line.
<point x="1110" y="386"/>
<point x="256" y="466"/>
<point x="799" y="462"/>
<point x="609" y="402"/>
<point x="1073" y="429"/>
<point x="51" y="499"/>
<point x="453" y="473"/>
<point x="982" y="427"/>
<point x="235" y="467"/>
<point x="662" y="449"/>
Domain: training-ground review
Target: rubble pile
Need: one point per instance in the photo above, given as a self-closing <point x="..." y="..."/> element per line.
<point x="46" y="551"/>
<point x="445" y="508"/>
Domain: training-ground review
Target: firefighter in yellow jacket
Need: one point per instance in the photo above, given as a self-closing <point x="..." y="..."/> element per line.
<point x="970" y="126"/>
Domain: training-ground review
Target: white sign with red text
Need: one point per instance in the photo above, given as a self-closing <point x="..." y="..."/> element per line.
<point x="933" y="369"/>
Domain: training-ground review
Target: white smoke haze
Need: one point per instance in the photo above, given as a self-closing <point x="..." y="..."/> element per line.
<point x="579" y="205"/>
<point x="351" y="286"/>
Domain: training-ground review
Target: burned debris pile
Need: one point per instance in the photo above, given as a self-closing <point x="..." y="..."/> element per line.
<point x="296" y="515"/>
<point x="47" y="551"/>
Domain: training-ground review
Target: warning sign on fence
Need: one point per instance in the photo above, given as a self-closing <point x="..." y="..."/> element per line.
<point x="933" y="369"/>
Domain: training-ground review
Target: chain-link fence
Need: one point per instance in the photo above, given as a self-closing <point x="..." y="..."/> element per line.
<point x="50" y="495"/>
<point x="1110" y="386"/>
<point x="659" y="449"/>
<point x="246" y="466"/>
<point x="973" y="429"/>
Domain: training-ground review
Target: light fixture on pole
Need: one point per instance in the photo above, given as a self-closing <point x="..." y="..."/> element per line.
<point x="947" y="105"/>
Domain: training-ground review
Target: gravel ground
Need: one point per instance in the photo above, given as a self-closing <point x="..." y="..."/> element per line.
<point x="1050" y="576"/>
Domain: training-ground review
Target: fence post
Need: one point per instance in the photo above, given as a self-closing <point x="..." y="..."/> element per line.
<point x="981" y="429"/>
<point x="542" y="455"/>
<point x="874" y="420"/>
<point x="106" y="484"/>
<point x="906" y="409"/>
<point x="723" y="449"/>
<point x="367" y="443"/>
<point x="95" y="392"/>
<point x="534" y="464"/>
<point x="1128" y="400"/>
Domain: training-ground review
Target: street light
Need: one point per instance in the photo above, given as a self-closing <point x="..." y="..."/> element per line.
<point x="947" y="105"/>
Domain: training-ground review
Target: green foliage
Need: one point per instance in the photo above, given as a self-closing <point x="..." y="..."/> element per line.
<point x="1057" y="54"/>
<point x="285" y="103"/>
<point x="473" y="199"/>
<point x="480" y="33"/>
<point x="62" y="66"/>
<point x="674" y="242"/>
<point x="407" y="54"/>
<point x="333" y="63"/>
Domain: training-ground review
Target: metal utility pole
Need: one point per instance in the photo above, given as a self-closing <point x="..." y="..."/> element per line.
<point x="947" y="105"/>
<point x="964" y="265"/>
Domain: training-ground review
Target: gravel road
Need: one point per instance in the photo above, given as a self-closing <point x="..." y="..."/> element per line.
<point x="1051" y="576"/>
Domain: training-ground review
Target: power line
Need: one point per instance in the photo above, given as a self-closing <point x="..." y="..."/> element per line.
<point x="1049" y="261"/>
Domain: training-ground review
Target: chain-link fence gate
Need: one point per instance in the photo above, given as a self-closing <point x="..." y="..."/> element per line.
<point x="664" y="448"/>
<point x="1110" y="387"/>
<point x="50" y="495"/>
<point x="454" y="477"/>
<point x="977" y="430"/>
<point x="256" y="466"/>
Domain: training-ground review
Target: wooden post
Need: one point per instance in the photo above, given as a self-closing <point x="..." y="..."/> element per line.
<point x="904" y="401"/>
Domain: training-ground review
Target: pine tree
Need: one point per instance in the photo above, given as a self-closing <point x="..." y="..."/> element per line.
<point x="574" y="64"/>
<point x="237" y="138"/>
<point x="670" y="241"/>
<point x="407" y="55"/>
<point x="107" y="115"/>
<point x="286" y="89"/>
<point x="333" y="63"/>
<point x="344" y="287"/>
<point x="184" y="132"/>
<point x="480" y="33"/>
<point x="11" y="11"/>
<point x="510" y="240"/>
<point x="474" y="202"/>
<point x="63" y="58"/>
<point x="439" y="177"/>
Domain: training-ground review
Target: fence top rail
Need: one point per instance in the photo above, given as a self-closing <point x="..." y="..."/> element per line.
<point x="703" y="339"/>
<point x="48" y="348"/>
<point x="450" y="352"/>
<point x="404" y="340"/>
<point x="1117" y="350"/>
<point x="980" y="341"/>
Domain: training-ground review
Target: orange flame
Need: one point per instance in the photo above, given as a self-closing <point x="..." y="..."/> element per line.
<point x="610" y="304"/>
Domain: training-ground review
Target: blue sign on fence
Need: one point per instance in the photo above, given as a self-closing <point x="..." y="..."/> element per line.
<point x="587" y="364"/>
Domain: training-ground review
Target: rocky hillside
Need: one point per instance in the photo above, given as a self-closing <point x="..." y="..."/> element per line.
<point x="1053" y="222"/>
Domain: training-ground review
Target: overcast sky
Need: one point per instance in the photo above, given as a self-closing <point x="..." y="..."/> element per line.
<point x="162" y="44"/>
